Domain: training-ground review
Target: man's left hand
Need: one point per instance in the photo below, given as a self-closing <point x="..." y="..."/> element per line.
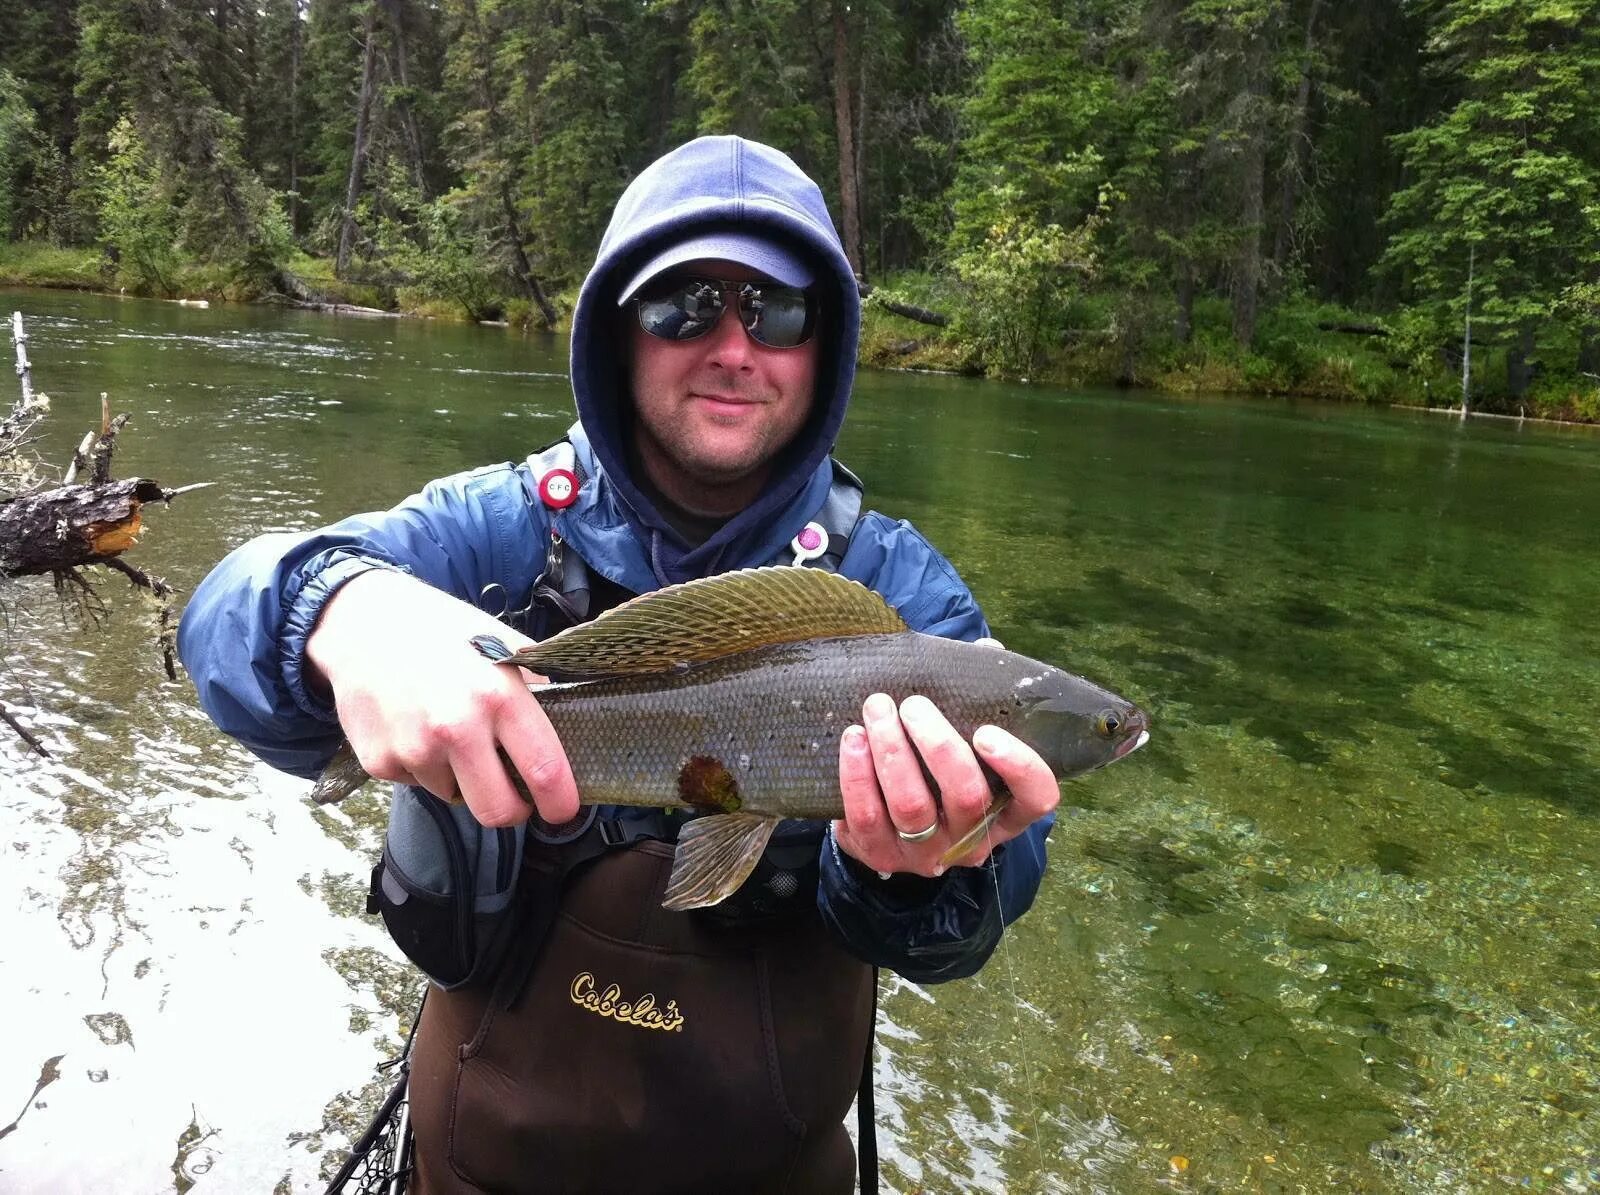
<point x="886" y="792"/>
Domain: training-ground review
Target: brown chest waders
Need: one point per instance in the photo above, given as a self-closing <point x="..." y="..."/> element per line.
<point x="639" y="1050"/>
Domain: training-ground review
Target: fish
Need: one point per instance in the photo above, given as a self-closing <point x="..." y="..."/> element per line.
<point x="727" y="696"/>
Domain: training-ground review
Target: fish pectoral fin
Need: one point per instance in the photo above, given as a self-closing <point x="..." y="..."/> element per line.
<point x="975" y="836"/>
<point x="715" y="855"/>
<point x="492" y="648"/>
<point x="343" y="775"/>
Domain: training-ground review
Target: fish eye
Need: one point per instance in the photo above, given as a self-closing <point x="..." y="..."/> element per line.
<point x="1107" y="723"/>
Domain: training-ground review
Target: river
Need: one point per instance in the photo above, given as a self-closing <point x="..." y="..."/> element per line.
<point x="1338" y="925"/>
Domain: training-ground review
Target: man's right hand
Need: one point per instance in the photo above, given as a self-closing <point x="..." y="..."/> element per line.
<point x="421" y="706"/>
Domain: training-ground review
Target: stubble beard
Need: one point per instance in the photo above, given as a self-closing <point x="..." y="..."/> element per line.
<point x="699" y="481"/>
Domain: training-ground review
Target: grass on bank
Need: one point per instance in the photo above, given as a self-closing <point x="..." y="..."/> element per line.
<point x="1302" y="348"/>
<point x="1109" y="342"/>
<point x="33" y="263"/>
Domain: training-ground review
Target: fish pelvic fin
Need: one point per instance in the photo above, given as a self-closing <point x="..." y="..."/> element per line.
<point x="710" y="617"/>
<point x="715" y="855"/>
<point x="973" y="838"/>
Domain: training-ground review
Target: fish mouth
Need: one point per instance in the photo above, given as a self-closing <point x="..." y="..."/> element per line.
<point x="1129" y="746"/>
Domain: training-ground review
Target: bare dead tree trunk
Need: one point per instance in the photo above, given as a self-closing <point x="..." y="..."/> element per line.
<point x="1294" y="152"/>
<point x="401" y="75"/>
<point x="844" y="126"/>
<point x="1589" y="350"/>
<point x="911" y="311"/>
<point x="861" y="156"/>
<point x="1183" y="325"/>
<point x="531" y="285"/>
<point x="1247" y="265"/>
<point x="358" y="154"/>
<point x="1520" y="367"/>
<point x="295" y="12"/>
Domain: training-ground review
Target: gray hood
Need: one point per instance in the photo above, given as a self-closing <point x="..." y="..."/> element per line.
<point x="713" y="183"/>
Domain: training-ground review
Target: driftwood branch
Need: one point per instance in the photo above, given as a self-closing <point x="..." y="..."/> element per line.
<point x="18" y="465"/>
<point x="56" y="530"/>
<point x="295" y="293"/>
<point x="72" y="525"/>
<point x="23" y="732"/>
<point x="19" y="338"/>
<point x="909" y="310"/>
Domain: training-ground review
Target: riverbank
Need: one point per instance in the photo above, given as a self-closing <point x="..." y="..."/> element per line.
<point x="1301" y="350"/>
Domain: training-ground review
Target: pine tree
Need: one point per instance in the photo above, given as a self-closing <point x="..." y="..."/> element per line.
<point x="1508" y="177"/>
<point x="153" y="65"/>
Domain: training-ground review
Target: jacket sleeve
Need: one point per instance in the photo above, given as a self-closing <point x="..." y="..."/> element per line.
<point x="243" y="635"/>
<point x="928" y="930"/>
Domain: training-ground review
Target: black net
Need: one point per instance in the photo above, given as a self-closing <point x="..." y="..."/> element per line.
<point x="380" y="1163"/>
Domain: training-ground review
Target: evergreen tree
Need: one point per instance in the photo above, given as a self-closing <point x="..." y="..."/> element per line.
<point x="1506" y="180"/>
<point x="759" y="70"/>
<point x="914" y="75"/>
<point x="570" y="94"/>
<point x="19" y="137"/>
<point x="37" y="46"/>
<point x="487" y="151"/>
<point x="151" y="63"/>
<point x="1031" y="127"/>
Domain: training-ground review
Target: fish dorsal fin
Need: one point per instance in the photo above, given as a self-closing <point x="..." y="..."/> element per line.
<point x="711" y="617"/>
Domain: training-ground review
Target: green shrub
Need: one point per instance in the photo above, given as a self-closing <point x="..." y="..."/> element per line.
<point x="1017" y="284"/>
<point x="139" y="214"/>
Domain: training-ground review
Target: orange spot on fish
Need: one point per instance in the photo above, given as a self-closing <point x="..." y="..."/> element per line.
<point x="706" y="783"/>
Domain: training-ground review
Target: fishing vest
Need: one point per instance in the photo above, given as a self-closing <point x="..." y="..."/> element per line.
<point x="588" y="1040"/>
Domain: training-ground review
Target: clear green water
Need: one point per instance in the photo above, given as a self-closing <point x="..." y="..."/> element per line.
<point x="1337" y="926"/>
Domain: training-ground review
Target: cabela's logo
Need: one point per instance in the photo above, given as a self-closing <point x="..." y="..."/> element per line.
<point x="609" y="1003"/>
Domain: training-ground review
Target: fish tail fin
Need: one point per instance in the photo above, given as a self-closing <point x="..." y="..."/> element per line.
<point x="974" y="837"/>
<point x="715" y="855"/>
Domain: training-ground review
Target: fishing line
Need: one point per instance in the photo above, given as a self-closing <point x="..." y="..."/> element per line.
<point x="1016" y="1003"/>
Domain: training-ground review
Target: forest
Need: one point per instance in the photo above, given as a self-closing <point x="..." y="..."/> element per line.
<point x="1381" y="200"/>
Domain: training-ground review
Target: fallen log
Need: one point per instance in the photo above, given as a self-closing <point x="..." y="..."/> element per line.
<point x="328" y="308"/>
<point x="909" y="310"/>
<point x="1353" y="329"/>
<point x="73" y="525"/>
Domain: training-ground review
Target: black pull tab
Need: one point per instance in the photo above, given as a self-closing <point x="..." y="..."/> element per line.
<point x="372" y="888"/>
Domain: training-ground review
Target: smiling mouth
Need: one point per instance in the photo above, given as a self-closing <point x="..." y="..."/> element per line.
<point x="726" y="399"/>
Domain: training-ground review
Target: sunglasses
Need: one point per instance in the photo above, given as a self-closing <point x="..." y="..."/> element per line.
<point x="780" y="317"/>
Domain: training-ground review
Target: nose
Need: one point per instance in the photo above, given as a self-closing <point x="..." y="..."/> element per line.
<point x="729" y="344"/>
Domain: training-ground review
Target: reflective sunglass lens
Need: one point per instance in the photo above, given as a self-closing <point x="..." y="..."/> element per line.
<point x="683" y="313"/>
<point x="780" y="317"/>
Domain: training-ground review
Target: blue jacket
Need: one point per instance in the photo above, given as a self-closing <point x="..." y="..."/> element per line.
<point x="243" y="635"/>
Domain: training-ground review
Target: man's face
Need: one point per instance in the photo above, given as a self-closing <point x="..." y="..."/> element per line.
<point x="714" y="412"/>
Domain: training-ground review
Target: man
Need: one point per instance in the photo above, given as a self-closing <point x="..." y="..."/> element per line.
<point x="618" y="1046"/>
